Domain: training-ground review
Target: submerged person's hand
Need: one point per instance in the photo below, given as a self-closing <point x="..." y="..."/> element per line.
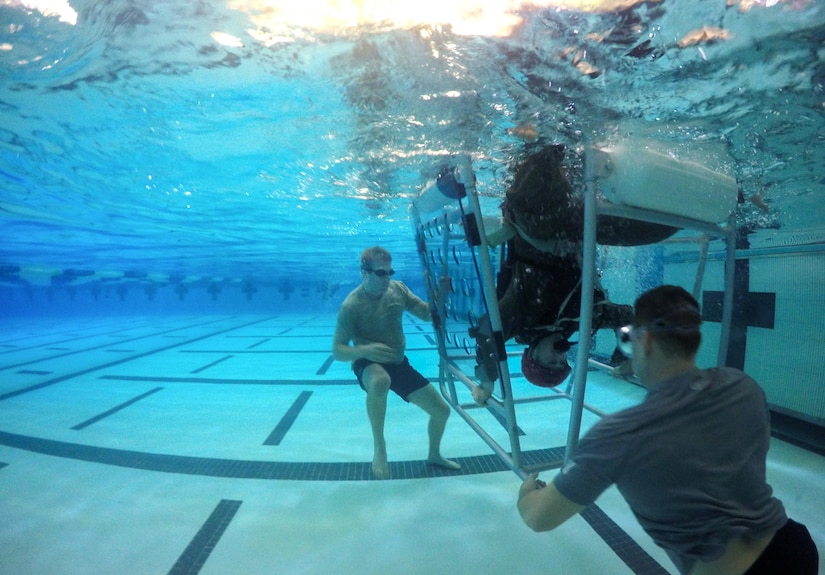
<point x="379" y="353"/>
<point x="531" y="483"/>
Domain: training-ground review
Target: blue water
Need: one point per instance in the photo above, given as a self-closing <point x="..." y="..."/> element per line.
<point x="185" y="188"/>
<point x="180" y="154"/>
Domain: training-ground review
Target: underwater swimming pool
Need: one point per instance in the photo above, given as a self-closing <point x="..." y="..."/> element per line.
<point x="184" y="192"/>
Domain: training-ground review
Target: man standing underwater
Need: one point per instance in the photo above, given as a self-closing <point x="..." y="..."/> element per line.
<point x="369" y="334"/>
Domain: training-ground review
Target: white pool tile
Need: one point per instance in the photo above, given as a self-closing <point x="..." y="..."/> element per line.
<point x="210" y="390"/>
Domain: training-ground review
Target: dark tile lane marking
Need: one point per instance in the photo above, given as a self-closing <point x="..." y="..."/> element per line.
<point x="214" y="363"/>
<point x="636" y="558"/>
<point x="229" y="381"/>
<point x="288" y="419"/>
<point x="123" y="360"/>
<point x="115" y="409"/>
<point x="197" y="552"/>
<point x="326" y="365"/>
<point x="254" y="345"/>
<point x="68" y="337"/>
<point x="74" y="337"/>
<point x="84" y="350"/>
<point x="622" y="544"/>
<point x="253" y="469"/>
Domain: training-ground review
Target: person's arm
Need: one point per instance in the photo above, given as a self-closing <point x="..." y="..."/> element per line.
<point x="421" y="310"/>
<point x="542" y="506"/>
<point x="341" y="348"/>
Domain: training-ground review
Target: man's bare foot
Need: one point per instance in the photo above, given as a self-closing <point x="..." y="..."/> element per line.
<point x="380" y="470"/>
<point x="481" y="394"/>
<point x="380" y="467"/>
<point x="442" y="462"/>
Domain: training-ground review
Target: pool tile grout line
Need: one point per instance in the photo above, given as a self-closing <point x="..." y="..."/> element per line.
<point x="197" y="552"/>
<point x="75" y="337"/>
<point x="193" y="558"/>
<point x="285" y="351"/>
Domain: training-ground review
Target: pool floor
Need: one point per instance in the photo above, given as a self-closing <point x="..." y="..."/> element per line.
<point x="235" y="444"/>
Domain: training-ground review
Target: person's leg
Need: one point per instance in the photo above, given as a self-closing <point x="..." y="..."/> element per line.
<point x="428" y="399"/>
<point x="486" y="369"/>
<point x="376" y="382"/>
<point x="487" y="359"/>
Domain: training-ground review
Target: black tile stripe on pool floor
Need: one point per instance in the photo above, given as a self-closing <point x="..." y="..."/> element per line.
<point x="639" y="561"/>
<point x="628" y="550"/>
<point x="120" y="361"/>
<point x="230" y="380"/>
<point x="252" y="469"/>
<point x="115" y="409"/>
<point x="164" y="333"/>
<point x="197" y="552"/>
<point x="288" y="419"/>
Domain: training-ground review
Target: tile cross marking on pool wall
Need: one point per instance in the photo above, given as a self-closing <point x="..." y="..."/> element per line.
<point x="750" y="309"/>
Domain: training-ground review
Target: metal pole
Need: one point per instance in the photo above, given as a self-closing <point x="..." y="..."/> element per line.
<point x="467" y="177"/>
<point x="700" y="268"/>
<point x="727" y="306"/>
<point x="586" y="309"/>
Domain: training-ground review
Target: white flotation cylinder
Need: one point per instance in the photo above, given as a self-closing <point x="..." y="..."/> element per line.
<point x="690" y="180"/>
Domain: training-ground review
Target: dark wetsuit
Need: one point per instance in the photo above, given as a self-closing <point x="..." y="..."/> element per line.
<point x="538" y="288"/>
<point x="544" y="290"/>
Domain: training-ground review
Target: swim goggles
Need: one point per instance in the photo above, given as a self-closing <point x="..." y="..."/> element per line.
<point x="379" y="273"/>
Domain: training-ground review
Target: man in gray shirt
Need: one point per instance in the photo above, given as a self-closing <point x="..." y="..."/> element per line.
<point x="690" y="459"/>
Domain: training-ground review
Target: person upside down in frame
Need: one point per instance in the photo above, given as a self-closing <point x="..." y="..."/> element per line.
<point x="539" y="287"/>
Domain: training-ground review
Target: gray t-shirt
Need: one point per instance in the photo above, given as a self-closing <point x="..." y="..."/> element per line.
<point x="689" y="460"/>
